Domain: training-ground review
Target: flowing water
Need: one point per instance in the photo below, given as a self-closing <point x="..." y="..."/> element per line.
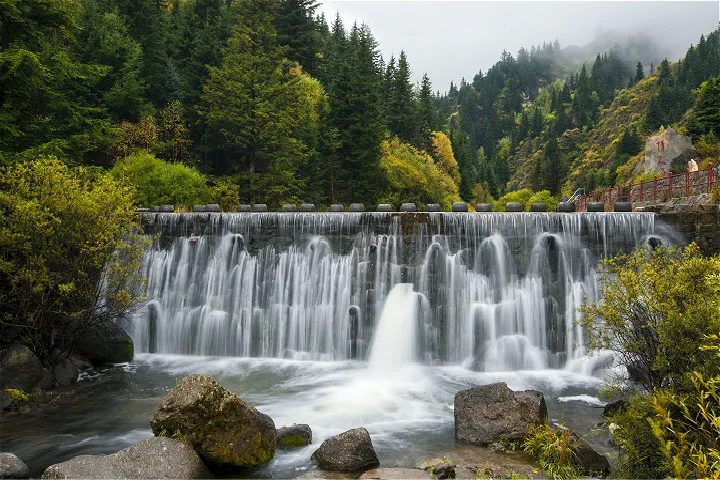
<point x="347" y="320"/>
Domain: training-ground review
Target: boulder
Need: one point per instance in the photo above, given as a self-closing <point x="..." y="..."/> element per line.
<point x="213" y="207"/>
<point x="668" y="150"/>
<point x="308" y="207"/>
<point x="199" y="208"/>
<point x="384" y="207"/>
<point x="299" y="435"/>
<point x="514" y="207"/>
<point x="483" y="207"/>
<point x="289" y="207"/>
<point x="156" y="457"/>
<point x="66" y="373"/>
<point x="8" y="402"/>
<point x="538" y="207"/>
<point x="356" y="207"/>
<point x="395" y="474"/>
<point x="591" y="462"/>
<point x="21" y="369"/>
<point x="244" y="208"/>
<point x="408" y="207"/>
<point x="595" y="207"/>
<point x="493" y="413"/>
<point x="439" y="469"/>
<point x="566" y="207"/>
<point x="349" y="451"/>
<point x="227" y="432"/>
<point x="166" y="208"/>
<point x="614" y="407"/>
<point x="337" y="207"/>
<point x="12" y="467"/>
<point x="106" y="342"/>
<point x="623" y="207"/>
<point x="259" y="207"/>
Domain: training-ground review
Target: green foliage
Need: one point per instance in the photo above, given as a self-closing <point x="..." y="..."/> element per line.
<point x="18" y="395"/>
<point x="545" y="197"/>
<point x="523" y="196"/>
<point x="654" y="309"/>
<point x="706" y="111"/>
<point x="69" y="254"/>
<point x="413" y="176"/>
<point x="157" y="182"/>
<point x="553" y="450"/>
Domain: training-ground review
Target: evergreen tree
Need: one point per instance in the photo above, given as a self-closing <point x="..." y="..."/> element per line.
<point x="252" y="102"/>
<point x="639" y="73"/>
<point x="707" y="107"/>
<point x="426" y="116"/>
<point x="468" y="175"/>
<point x="400" y="115"/>
<point x="298" y="31"/>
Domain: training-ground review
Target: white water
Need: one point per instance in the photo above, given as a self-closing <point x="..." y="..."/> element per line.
<point x="495" y="292"/>
<point x="394" y="343"/>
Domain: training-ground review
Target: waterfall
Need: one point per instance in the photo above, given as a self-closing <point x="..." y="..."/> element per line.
<point x="497" y="291"/>
<point x="394" y="344"/>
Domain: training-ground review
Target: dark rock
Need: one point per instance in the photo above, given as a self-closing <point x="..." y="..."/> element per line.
<point x="591" y="462"/>
<point x="307" y="207"/>
<point x="244" y="208"/>
<point x="155" y="457"/>
<point x="395" y="474"/>
<point x="566" y="207"/>
<point x="154" y="208"/>
<point x="459" y="207"/>
<point x="433" y="207"/>
<point x="259" y="207"/>
<point x="356" y="207"/>
<point x="493" y="413"/>
<point x="299" y="435"/>
<point x="8" y="402"/>
<point x="408" y="207"/>
<point x="227" y="432"/>
<point x="166" y="208"/>
<point x="349" y="451"/>
<point x="66" y="373"/>
<point x="514" y="207"/>
<point x="538" y="207"/>
<point x="483" y="207"/>
<point x="595" y="207"/>
<point x="106" y="343"/>
<point x="198" y="208"/>
<point x="623" y="207"/>
<point x="142" y="209"/>
<point x="614" y="407"/>
<point x="337" y="207"/>
<point x="289" y="207"/>
<point x="213" y="207"/>
<point x="21" y="369"/>
<point x="13" y="467"/>
<point x="384" y="207"/>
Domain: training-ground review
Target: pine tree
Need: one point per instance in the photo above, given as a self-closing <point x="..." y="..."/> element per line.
<point x="253" y="103"/>
<point x="707" y="107"/>
<point x="426" y="116"/>
<point x="400" y="115"/>
<point x="639" y="73"/>
<point x="298" y="31"/>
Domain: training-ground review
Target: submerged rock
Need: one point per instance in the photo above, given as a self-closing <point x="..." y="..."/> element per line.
<point x="155" y="457"/>
<point x="227" y="432"/>
<point x="299" y="435"/>
<point x="493" y="413"/>
<point x="591" y="462"/>
<point x="349" y="451"/>
<point x="12" y="467"/>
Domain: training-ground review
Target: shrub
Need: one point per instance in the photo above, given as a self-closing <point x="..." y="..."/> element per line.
<point x="522" y="196"/>
<point x="157" y="182"/>
<point x="553" y="450"/>
<point x="545" y="197"/>
<point x="69" y="257"/>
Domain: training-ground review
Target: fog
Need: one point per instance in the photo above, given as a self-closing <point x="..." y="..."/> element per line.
<point x="454" y="39"/>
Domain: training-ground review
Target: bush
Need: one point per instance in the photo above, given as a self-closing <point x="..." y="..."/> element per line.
<point x="654" y="310"/>
<point x="157" y="182"/>
<point x="553" y="450"/>
<point x="523" y="196"/>
<point x="69" y="255"/>
<point x="545" y="197"/>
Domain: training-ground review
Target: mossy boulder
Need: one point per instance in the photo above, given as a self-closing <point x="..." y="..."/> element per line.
<point x="348" y="452"/>
<point x="298" y="435"/>
<point x="227" y="432"/>
<point x="21" y="369"/>
<point x="106" y="343"/>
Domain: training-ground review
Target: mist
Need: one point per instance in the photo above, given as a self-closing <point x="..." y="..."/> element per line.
<point x="451" y="40"/>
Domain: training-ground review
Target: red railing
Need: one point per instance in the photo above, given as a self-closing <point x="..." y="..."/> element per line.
<point x="662" y="188"/>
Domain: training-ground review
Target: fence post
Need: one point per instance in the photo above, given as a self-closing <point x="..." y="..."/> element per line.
<point x="670" y="186"/>
<point x="642" y="191"/>
<point x="655" y="189"/>
<point x="617" y="199"/>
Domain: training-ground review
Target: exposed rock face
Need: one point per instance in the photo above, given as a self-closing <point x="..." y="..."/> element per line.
<point x="299" y="435"/>
<point x="152" y="458"/>
<point x="106" y="343"/>
<point x="349" y="451"/>
<point x="13" y="467"/>
<point x="66" y="372"/>
<point x="227" y="432"/>
<point x="668" y="150"/>
<point x="614" y="407"/>
<point x="21" y="369"/>
<point x="491" y="413"/>
<point x="591" y="462"/>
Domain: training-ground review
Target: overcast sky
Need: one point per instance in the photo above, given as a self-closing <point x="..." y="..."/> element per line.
<point x="454" y="39"/>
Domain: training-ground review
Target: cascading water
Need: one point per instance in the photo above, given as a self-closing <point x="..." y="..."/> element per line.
<point x="496" y="292"/>
<point x="394" y="345"/>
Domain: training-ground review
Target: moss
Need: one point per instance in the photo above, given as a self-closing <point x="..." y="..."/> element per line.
<point x="293" y="441"/>
<point x="18" y="395"/>
<point x="128" y="349"/>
